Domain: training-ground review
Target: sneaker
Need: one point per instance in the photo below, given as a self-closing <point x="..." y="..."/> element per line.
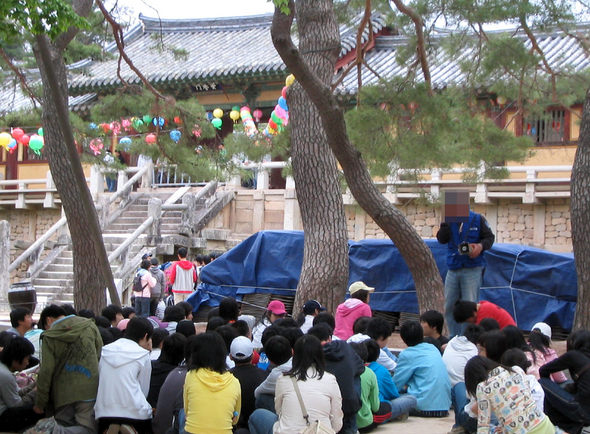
<point x="113" y="429"/>
<point x="458" y="430"/>
<point x="127" y="429"/>
<point x="402" y="417"/>
<point x="43" y="426"/>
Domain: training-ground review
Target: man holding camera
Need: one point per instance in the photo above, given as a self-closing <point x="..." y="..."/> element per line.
<point x="467" y="237"/>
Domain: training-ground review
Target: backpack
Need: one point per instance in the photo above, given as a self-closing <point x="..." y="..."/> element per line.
<point x="137" y="287"/>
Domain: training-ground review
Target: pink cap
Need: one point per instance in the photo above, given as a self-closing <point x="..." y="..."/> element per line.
<point x="277" y="307"/>
<point x="122" y="325"/>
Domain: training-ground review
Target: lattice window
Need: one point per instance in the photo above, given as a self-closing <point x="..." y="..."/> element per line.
<point x="548" y="129"/>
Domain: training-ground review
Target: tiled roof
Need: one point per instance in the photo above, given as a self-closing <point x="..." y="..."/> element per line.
<point x="216" y="49"/>
<point x="561" y="51"/>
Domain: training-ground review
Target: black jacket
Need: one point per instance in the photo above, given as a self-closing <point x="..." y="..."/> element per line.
<point x="346" y="366"/>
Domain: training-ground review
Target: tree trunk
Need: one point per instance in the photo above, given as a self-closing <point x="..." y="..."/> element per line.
<point x="92" y="273"/>
<point x="324" y="274"/>
<point x="417" y="255"/>
<point x="580" y="210"/>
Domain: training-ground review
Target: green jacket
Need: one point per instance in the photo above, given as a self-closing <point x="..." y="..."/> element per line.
<point x="70" y="351"/>
<point x="369" y="398"/>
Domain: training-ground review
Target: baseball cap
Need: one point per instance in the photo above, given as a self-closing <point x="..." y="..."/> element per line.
<point x="277" y="307"/>
<point x="544" y="328"/>
<point x="357" y="286"/>
<point x="146" y="255"/>
<point x="122" y="325"/>
<point x="311" y="305"/>
<point x="241" y="348"/>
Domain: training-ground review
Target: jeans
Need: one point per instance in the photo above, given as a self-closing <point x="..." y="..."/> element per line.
<point x="349" y="425"/>
<point x="142" y="306"/>
<point x="562" y="407"/>
<point x="266" y="401"/>
<point x="402" y="405"/>
<point x="261" y="421"/>
<point x="459" y="400"/>
<point x="461" y="284"/>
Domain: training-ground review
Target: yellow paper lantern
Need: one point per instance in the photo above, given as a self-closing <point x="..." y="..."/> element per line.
<point x="289" y="80"/>
<point x="501" y="100"/>
<point x="218" y="113"/>
<point x="5" y="139"/>
<point x="234" y="115"/>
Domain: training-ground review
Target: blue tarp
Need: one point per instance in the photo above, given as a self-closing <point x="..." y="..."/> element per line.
<point x="532" y="284"/>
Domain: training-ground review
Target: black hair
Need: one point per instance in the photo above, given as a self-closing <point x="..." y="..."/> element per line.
<point x="127" y="310"/>
<point x="138" y="328"/>
<point x="213" y="312"/>
<point x="286" y="322"/>
<point x="154" y="262"/>
<point x="572" y="337"/>
<point x="105" y="334"/>
<point x="199" y="258"/>
<point x="111" y="311"/>
<point x="206" y="259"/>
<point x="102" y="321"/>
<point x="51" y="311"/>
<point x="361" y="294"/>
<point x="489" y="324"/>
<point x="473" y="332"/>
<point x="86" y="313"/>
<point x="361" y="349"/>
<point x="515" y="357"/>
<point x="278" y="350"/>
<point x="173" y="349"/>
<point x="373" y="350"/>
<point x="186" y="328"/>
<point x="5" y="337"/>
<point x="188" y="346"/>
<point x="322" y="331"/>
<point x="229" y="309"/>
<point x="268" y="333"/>
<point x="307" y="353"/>
<point x="18" y="314"/>
<point x="214" y="323"/>
<point x="208" y="351"/>
<point x="182" y="252"/>
<point x="16" y="350"/>
<point x="434" y="319"/>
<point x="476" y="371"/>
<point x="582" y="342"/>
<point x="158" y="337"/>
<point x="379" y="328"/>
<point x="291" y="333"/>
<point x="514" y="338"/>
<point x="186" y="306"/>
<point x="228" y="333"/>
<point x="69" y="309"/>
<point x="411" y="333"/>
<point x="495" y="344"/>
<point x="360" y="325"/>
<point x="325" y="317"/>
<point x="241" y="327"/>
<point x="174" y="313"/>
<point x="538" y="341"/>
<point x="463" y="310"/>
<point x="145" y="264"/>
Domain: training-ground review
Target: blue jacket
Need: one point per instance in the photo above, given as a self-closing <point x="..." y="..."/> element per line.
<point x="387" y="388"/>
<point x="422" y="370"/>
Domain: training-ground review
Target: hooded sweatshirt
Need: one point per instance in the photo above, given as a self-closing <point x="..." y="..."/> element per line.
<point x="346" y="314"/>
<point x="160" y="281"/>
<point x="68" y="373"/>
<point x="210" y="400"/>
<point x="458" y="352"/>
<point x="346" y="366"/>
<point x="183" y="277"/>
<point x="125" y="369"/>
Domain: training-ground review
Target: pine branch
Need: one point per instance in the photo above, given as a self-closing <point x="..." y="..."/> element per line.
<point x="21" y="77"/>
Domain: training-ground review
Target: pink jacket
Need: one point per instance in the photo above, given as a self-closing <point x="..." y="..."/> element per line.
<point x="540" y="360"/>
<point x="346" y="314"/>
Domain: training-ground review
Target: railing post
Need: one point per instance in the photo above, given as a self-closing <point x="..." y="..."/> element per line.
<point x="262" y="178"/>
<point x="435" y="178"/>
<point x="291" y="212"/>
<point x="187" y="218"/>
<point x="20" y="198"/>
<point x="96" y="182"/>
<point x="155" y="211"/>
<point x="49" y="201"/>
<point x="481" y="189"/>
<point x="529" y="188"/>
<point x="4" y="259"/>
<point x="148" y="175"/>
<point x="122" y="179"/>
<point x="392" y="180"/>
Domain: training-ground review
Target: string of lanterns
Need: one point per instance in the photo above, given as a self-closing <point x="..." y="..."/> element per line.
<point x="9" y="141"/>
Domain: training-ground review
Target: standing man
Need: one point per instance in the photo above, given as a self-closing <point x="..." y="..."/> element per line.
<point x="68" y="377"/>
<point x="467" y="234"/>
<point x="158" y="287"/>
<point x="182" y="277"/>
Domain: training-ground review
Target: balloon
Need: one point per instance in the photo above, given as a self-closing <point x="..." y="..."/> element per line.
<point x="289" y="80"/>
<point x="217" y="123"/>
<point x="147" y="119"/>
<point x="125" y="142"/>
<point x="158" y="122"/>
<point x="17" y="133"/>
<point x="96" y="146"/>
<point x="5" y="139"/>
<point x="234" y="115"/>
<point x="284" y="92"/>
<point x="25" y="139"/>
<point x="175" y="135"/>
<point x="283" y="103"/>
<point x="40" y="131"/>
<point x="150" y="139"/>
<point x="36" y="143"/>
<point x="257" y="115"/>
<point x="218" y="113"/>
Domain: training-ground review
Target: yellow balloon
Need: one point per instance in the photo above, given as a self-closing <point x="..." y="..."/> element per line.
<point x="218" y="113"/>
<point x="5" y="139"/>
<point x="289" y="80"/>
<point x="234" y="115"/>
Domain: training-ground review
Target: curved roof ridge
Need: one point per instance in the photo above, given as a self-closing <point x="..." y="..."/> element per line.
<point x="152" y="24"/>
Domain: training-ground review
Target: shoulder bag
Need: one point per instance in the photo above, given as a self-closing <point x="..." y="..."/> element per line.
<point x="312" y="427"/>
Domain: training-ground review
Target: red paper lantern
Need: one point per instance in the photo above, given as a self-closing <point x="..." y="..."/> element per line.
<point x="150" y="139"/>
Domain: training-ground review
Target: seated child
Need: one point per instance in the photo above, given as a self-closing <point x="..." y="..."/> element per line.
<point x="279" y="353"/>
<point x="421" y="372"/>
<point x="432" y="322"/>
<point x="474" y="313"/>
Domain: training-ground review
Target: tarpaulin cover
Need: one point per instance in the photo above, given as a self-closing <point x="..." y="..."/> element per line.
<point x="532" y="284"/>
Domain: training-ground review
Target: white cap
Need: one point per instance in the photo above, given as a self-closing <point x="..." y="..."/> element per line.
<point x="241" y="348"/>
<point x="544" y="328"/>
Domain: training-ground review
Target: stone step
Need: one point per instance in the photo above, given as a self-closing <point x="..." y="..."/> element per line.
<point x="54" y="283"/>
<point x="63" y="261"/>
<point x="60" y="267"/>
<point x="55" y="275"/>
<point x="129" y="220"/>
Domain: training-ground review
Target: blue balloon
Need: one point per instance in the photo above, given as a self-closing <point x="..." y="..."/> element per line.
<point x="283" y="104"/>
<point x="93" y="126"/>
<point x="158" y="121"/>
<point x="209" y="116"/>
<point x="125" y="142"/>
<point x="175" y="135"/>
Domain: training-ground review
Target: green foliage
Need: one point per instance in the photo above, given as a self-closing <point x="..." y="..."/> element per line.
<point x="21" y="118"/>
